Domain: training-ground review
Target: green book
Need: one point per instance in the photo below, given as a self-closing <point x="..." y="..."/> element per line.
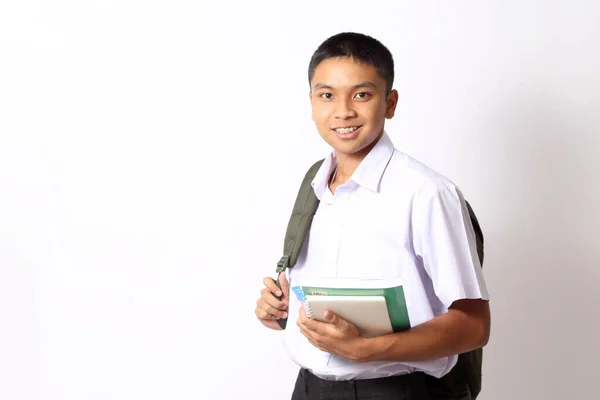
<point x="375" y="306"/>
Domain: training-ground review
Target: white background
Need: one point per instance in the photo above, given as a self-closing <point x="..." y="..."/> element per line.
<point x="150" y="153"/>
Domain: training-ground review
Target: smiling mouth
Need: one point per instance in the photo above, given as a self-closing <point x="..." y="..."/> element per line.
<point x="347" y="130"/>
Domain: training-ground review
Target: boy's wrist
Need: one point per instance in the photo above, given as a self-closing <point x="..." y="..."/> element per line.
<point x="369" y="349"/>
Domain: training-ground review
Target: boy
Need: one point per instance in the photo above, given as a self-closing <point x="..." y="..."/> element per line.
<point x="381" y="214"/>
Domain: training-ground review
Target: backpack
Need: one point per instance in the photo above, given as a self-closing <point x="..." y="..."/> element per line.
<point x="465" y="376"/>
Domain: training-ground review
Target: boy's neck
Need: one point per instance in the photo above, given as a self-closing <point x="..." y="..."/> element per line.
<point x="348" y="163"/>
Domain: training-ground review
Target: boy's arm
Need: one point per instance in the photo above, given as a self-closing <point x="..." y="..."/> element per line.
<point x="466" y="326"/>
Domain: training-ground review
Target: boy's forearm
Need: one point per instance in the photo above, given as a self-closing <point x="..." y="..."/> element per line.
<point x="458" y="331"/>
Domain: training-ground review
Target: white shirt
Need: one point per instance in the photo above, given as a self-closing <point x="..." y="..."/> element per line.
<point x="394" y="218"/>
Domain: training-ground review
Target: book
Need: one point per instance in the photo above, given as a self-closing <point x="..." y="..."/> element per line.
<point x="375" y="306"/>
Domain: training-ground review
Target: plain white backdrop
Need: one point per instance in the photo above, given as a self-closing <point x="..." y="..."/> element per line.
<point x="150" y="153"/>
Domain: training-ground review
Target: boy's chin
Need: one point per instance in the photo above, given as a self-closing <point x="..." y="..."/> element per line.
<point x="348" y="147"/>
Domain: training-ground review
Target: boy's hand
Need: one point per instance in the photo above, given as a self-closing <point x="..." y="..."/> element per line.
<point x="268" y="308"/>
<point x="336" y="336"/>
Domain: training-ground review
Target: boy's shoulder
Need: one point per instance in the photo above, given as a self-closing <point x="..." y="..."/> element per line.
<point x="414" y="176"/>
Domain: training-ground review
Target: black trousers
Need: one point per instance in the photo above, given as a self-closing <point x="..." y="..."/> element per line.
<point x="401" y="387"/>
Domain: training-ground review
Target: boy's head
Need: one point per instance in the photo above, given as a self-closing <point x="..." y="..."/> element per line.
<point x="351" y="78"/>
<point x="362" y="48"/>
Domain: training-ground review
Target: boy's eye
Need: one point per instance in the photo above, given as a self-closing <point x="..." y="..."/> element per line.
<point x="362" y="95"/>
<point x="326" y="96"/>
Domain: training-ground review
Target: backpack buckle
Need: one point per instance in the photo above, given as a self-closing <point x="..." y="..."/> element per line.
<point x="283" y="264"/>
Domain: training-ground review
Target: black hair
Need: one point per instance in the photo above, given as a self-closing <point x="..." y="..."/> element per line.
<point x="360" y="47"/>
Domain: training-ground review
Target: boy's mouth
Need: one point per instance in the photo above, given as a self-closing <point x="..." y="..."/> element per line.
<point x="347" y="130"/>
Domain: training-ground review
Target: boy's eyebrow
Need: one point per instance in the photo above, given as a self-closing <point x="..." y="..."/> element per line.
<point x="365" y="84"/>
<point x="322" y="86"/>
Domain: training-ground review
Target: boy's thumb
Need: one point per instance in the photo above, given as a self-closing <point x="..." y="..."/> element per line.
<point x="283" y="281"/>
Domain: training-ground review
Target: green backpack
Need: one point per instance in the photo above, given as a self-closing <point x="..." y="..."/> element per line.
<point x="465" y="377"/>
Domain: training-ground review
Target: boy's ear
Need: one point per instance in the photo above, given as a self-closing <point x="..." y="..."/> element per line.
<point x="392" y="102"/>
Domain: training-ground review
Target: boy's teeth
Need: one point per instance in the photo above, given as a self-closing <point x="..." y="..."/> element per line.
<point x="346" y="130"/>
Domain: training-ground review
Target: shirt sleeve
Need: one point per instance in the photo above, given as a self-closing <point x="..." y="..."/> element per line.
<point x="444" y="240"/>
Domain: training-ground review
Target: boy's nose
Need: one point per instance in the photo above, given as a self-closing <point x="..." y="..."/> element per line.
<point x="344" y="110"/>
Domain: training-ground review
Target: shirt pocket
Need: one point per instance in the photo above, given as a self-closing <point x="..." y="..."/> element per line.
<point x="374" y="244"/>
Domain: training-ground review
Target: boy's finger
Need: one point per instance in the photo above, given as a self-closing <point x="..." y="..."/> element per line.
<point x="272" y="286"/>
<point x="271" y="312"/>
<point x="270" y="299"/>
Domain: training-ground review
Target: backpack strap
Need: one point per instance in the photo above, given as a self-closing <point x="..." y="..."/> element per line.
<point x="299" y="225"/>
<point x="478" y="233"/>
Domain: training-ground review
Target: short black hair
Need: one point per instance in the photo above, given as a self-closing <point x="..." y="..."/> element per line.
<point x="362" y="48"/>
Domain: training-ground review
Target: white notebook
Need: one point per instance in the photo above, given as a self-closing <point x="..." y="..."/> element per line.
<point x="368" y="313"/>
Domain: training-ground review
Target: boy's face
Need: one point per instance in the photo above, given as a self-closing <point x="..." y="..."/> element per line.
<point x="349" y="105"/>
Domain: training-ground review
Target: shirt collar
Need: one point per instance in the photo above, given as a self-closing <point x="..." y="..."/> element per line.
<point x="369" y="172"/>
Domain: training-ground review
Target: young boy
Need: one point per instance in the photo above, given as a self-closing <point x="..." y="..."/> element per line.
<point x="381" y="214"/>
